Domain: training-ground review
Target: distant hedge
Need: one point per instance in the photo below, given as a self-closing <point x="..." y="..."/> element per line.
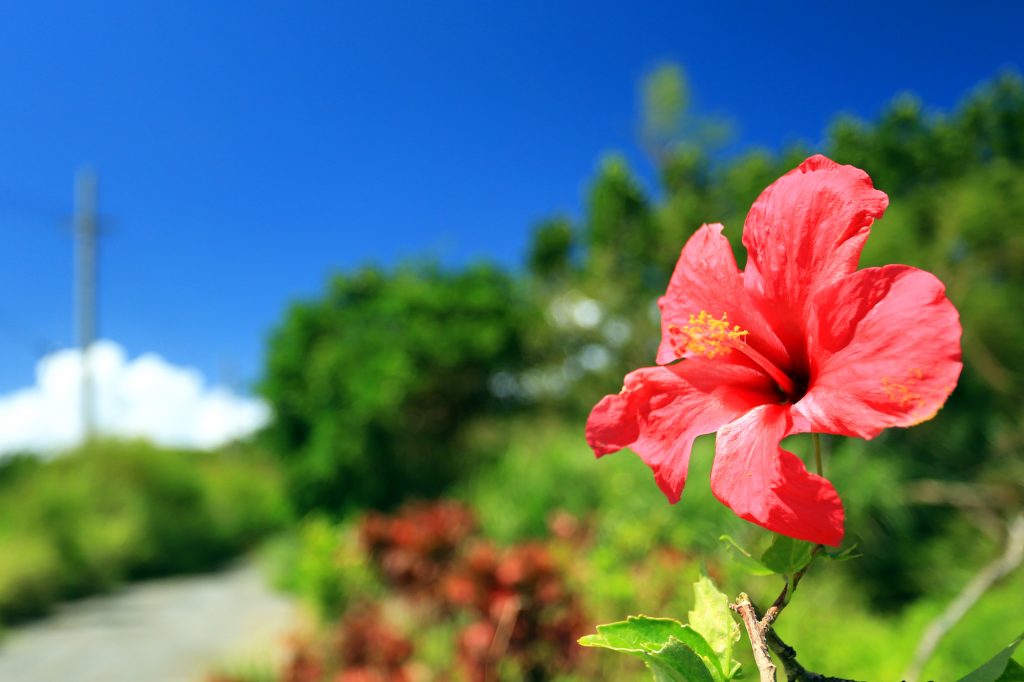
<point x="112" y="511"/>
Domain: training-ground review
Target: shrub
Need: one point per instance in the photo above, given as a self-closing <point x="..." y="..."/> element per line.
<point x="372" y="384"/>
<point x="111" y="511"/>
<point x="324" y="564"/>
<point x="452" y="602"/>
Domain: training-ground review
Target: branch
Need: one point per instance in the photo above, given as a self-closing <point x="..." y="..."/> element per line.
<point x="980" y="502"/>
<point x="756" y="633"/>
<point x="988" y="576"/>
<point x="965" y="495"/>
<point x="764" y="641"/>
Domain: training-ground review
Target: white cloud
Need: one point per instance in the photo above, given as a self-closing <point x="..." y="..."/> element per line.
<point x="146" y="397"/>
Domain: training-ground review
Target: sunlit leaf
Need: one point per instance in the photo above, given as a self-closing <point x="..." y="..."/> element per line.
<point x="634" y="633"/>
<point x="712" y="618"/>
<point x="672" y="651"/>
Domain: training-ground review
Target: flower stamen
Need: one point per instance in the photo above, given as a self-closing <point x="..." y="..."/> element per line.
<point x="707" y="335"/>
<point x="710" y="336"/>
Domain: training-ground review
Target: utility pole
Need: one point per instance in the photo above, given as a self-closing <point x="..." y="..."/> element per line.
<point x="86" y="232"/>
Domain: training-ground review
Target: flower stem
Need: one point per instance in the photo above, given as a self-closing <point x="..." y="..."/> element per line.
<point x="816" y="439"/>
<point x="787" y="592"/>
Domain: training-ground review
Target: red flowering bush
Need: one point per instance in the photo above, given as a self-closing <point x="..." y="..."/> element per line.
<point x="369" y="650"/>
<point x="799" y="341"/>
<point x="513" y="607"/>
<point x="413" y="548"/>
<point x="363" y="647"/>
<point x="524" y="612"/>
<point x="305" y="664"/>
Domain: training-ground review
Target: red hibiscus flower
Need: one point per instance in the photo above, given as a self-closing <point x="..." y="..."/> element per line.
<point x="799" y="341"/>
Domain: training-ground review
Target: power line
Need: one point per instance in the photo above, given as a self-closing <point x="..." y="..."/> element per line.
<point x="46" y="210"/>
<point x="35" y="209"/>
<point x="25" y="336"/>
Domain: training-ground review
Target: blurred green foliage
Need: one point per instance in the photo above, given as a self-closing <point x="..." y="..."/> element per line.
<point x="111" y="511"/>
<point x="372" y="384"/>
<point x="322" y="562"/>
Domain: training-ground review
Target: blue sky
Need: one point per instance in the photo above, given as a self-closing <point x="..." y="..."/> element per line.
<point x="246" y="150"/>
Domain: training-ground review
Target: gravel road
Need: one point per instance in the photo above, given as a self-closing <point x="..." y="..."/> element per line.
<point x="168" y="630"/>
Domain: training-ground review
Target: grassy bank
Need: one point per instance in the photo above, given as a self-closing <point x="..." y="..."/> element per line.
<point x="113" y="511"/>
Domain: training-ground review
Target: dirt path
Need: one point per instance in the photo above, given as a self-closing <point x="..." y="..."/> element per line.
<point x="169" y="630"/>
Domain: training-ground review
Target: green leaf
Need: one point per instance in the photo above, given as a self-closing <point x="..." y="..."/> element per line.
<point x="786" y="555"/>
<point x="712" y="618"/>
<point x="1014" y="672"/>
<point x="635" y="634"/>
<point x="693" y="639"/>
<point x="744" y="559"/>
<point x="671" y="650"/>
<point x="998" y="668"/>
<point x="676" y="662"/>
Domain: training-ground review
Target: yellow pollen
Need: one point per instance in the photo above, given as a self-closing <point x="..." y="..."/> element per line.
<point x="902" y="392"/>
<point x="705" y="335"/>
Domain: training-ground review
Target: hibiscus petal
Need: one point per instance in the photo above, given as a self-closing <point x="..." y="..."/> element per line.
<point x="769" y="486"/>
<point x="804" y="232"/>
<point x="885" y="351"/>
<point x="706" y="278"/>
<point x="661" y="410"/>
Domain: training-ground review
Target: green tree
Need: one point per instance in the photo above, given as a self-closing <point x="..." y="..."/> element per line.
<point x="664" y="101"/>
<point x="551" y="249"/>
<point x="372" y="384"/>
